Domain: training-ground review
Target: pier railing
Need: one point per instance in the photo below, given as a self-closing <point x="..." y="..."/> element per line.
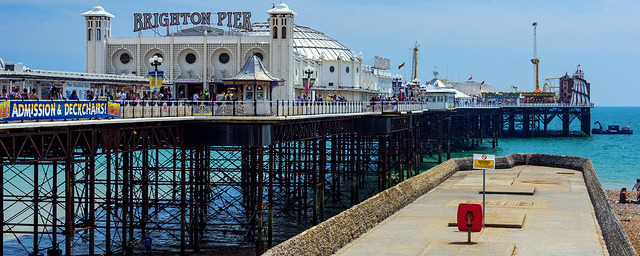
<point x="138" y="109"/>
<point x="28" y="110"/>
<point x="508" y="105"/>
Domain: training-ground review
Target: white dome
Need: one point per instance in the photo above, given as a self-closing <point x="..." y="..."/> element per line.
<point x="310" y="43"/>
<point x="98" y="11"/>
<point x="281" y="8"/>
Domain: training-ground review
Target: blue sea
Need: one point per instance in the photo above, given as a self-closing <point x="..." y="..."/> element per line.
<point x="616" y="158"/>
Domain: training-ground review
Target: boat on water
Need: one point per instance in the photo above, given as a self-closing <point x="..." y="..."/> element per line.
<point x="612" y="129"/>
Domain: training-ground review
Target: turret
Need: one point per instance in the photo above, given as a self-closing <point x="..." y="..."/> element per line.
<point x="579" y="73"/>
<point x="281" y="34"/>
<point x="98" y="29"/>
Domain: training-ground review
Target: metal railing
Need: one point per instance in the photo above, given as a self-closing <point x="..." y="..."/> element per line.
<point x="180" y="108"/>
<point x="140" y="108"/>
<point x="507" y="105"/>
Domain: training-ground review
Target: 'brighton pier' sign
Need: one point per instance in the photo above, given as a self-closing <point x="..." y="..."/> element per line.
<point x="142" y="21"/>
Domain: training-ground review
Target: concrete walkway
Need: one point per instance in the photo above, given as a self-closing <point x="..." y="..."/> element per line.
<point x="533" y="210"/>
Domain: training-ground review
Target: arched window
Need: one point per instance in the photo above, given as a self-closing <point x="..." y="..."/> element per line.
<point x="98" y="34"/>
<point x="89" y="35"/>
<point x="284" y="32"/>
<point x="275" y="33"/>
<point x="259" y="55"/>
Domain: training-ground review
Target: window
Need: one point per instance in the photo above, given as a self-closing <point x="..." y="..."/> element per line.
<point x="347" y="69"/>
<point x="330" y="84"/>
<point x="284" y="32"/>
<point x="259" y="55"/>
<point x="275" y="33"/>
<point x="357" y="70"/>
<point x="125" y="58"/>
<point x="331" y="69"/>
<point x="98" y="34"/>
<point x="89" y="35"/>
<point x="223" y="58"/>
<point x="190" y="58"/>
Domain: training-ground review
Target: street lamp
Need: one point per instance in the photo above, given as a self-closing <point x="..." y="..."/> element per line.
<point x="155" y="61"/>
<point x="308" y="70"/>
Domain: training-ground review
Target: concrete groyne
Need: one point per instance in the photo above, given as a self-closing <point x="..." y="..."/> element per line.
<point x="334" y="233"/>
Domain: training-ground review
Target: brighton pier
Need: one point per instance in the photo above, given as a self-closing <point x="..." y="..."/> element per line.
<point x="203" y="175"/>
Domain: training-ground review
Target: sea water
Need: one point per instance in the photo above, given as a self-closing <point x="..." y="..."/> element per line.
<point x="616" y="158"/>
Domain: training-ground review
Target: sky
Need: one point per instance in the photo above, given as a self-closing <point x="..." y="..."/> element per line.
<point x="488" y="40"/>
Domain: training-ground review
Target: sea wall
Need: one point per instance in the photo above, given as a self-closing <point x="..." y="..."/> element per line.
<point x="334" y="233"/>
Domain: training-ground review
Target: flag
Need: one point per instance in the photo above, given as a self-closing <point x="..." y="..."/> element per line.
<point x="155" y="79"/>
<point x="401" y="66"/>
<point x="482" y="82"/>
<point x="471" y="77"/>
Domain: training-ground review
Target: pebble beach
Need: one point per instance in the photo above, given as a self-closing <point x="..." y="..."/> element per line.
<point x="629" y="216"/>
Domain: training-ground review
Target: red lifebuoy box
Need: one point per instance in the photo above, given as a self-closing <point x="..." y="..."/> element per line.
<point x="473" y="211"/>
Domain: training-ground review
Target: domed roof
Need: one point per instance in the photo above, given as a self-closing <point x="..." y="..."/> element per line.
<point x="281" y="8"/>
<point x="310" y="43"/>
<point x="98" y="11"/>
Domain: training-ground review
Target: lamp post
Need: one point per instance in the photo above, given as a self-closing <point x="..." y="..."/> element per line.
<point x="308" y="70"/>
<point x="155" y="61"/>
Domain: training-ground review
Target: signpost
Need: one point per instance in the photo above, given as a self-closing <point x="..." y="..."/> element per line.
<point x="484" y="162"/>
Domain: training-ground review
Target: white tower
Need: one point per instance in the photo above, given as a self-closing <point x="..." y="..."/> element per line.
<point x="98" y="29"/>
<point x="281" y="25"/>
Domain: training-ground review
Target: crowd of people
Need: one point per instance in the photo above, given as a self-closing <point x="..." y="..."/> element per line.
<point x="16" y="95"/>
<point x="329" y="99"/>
<point x="135" y="95"/>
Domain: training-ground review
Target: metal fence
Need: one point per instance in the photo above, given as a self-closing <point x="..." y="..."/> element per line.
<point x="179" y="108"/>
<point x="138" y="109"/>
<point x="507" y="105"/>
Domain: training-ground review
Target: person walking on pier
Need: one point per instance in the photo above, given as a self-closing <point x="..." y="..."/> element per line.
<point x="147" y="244"/>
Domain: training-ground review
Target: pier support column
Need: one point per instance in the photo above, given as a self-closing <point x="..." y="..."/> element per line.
<point x="448" y="138"/>
<point x="270" y="195"/>
<point x="526" y="122"/>
<point x="439" y="140"/>
<point x="512" y="123"/>
<point x="323" y="166"/>
<point x="566" y="121"/>
<point x="585" y="121"/>
<point x="108" y="203"/>
<point x="69" y="216"/>
<point x="259" y="156"/>
<point x="314" y="180"/>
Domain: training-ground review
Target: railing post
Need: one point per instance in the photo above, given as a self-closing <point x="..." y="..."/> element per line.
<point x="234" y="107"/>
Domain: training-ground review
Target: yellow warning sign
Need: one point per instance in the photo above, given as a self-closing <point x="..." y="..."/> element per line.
<point x="482" y="161"/>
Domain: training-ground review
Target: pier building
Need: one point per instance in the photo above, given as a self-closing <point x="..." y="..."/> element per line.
<point x="575" y="89"/>
<point x="203" y="56"/>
